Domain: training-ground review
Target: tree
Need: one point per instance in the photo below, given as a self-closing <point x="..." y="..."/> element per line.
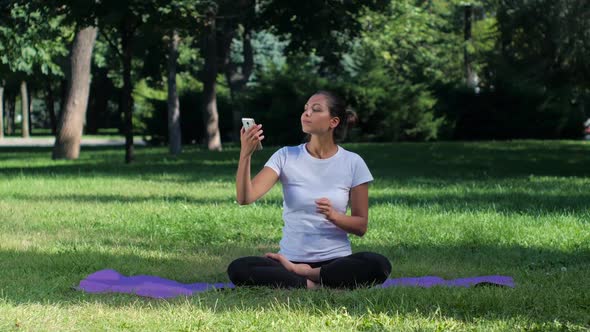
<point x="211" y="116"/>
<point x="324" y="28"/>
<point x="326" y="33"/>
<point x="216" y="37"/>
<point x="470" y="80"/>
<point x="69" y="134"/>
<point x="24" y="97"/>
<point x="174" y="135"/>
<point x="542" y="51"/>
<point x="128" y="26"/>
<point x="176" y="18"/>
<point x="238" y="27"/>
<point x="50" y="106"/>
<point x="10" y="105"/>
<point x="2" y="109"/>
<point x="29" y="44"/>
<point x="401" y="55"/>
<point x="128" y="18"/>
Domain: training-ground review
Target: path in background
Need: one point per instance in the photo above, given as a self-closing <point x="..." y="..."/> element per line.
<point x="49" y="141"/>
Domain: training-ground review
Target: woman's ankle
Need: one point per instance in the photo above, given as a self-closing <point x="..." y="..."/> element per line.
<point x="312" y="284"/>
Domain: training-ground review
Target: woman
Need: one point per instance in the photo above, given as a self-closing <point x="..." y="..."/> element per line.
<point x="319" y="179"/>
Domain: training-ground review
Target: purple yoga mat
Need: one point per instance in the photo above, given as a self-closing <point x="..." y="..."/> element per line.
<point x="111" y="281"/>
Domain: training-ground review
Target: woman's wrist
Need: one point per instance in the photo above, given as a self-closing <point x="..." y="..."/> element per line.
<point x="350" y="224"/>
<point x="245" y="156"/>
<point x="334" y="216"/>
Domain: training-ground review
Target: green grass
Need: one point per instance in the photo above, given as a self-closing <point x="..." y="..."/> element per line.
<point x="449" y="209"/>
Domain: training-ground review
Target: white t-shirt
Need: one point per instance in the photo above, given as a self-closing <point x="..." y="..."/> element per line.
<point x="307" y="235"/>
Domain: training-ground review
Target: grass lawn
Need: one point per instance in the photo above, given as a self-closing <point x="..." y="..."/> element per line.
<point x="448" y="209"/>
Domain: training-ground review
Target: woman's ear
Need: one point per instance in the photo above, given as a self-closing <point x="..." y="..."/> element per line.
<point x="334" y="122"/>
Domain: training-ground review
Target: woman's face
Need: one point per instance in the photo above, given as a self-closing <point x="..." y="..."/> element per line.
<point x="316" y="118"/>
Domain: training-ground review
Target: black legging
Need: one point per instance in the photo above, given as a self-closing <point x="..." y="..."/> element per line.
<point x="360" y="269"/>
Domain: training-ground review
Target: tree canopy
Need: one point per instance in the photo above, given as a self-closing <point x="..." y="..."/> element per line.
<point x="401" y="65"/>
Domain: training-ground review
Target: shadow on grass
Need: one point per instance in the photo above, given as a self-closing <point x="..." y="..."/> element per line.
<point x="532" y="202"/>
<point x="544" y="293"/>
<point x="152" y="163"/>
<point x="474" y="160"/>
<point x="521" y="203"/>
<point x="440" y="161"/>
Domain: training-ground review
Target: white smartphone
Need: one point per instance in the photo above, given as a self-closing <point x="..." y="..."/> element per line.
<point x="247" y="123"/>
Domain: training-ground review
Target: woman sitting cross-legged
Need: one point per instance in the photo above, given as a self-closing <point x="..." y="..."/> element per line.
<point x="320" y="179"/>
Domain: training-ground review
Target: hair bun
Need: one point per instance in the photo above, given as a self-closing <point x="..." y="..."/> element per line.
<point x="351" y="117"/>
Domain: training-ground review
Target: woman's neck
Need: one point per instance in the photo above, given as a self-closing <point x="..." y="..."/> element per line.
<point x="321" y="147"/>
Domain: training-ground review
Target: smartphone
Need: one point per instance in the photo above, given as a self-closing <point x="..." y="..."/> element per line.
<point x="247" y="123"/>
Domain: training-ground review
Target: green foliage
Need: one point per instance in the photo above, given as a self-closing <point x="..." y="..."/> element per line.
<point x="268" y="49"/>
<point x="399" y="63"/>
<point x="401" y="54"/>
<point x="31" y="41"/>
<point x="321" y="27"/>
<point x="151" y="112"/>
<point x="532" y="79"/>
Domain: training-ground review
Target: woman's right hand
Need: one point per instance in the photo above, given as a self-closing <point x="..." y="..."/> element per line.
<point x="299" y="269"/>
<point x="250" y="139"/>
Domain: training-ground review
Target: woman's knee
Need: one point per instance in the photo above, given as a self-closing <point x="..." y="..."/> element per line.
<point x="379" y="264"/>
<point x="238" y="270"/>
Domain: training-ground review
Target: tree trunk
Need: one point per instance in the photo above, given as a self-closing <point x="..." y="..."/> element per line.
<point x="237" y="79"/>
<point x="174" y="137"/>
<point x="100" y="91"/>
<point x="50" y="106"/>
<point x="211" y="115"/>
<point x="67" y="142"/>
<point x="1" y="110"/>
<point x="30" y="112"/>
<point x="470" y="79"/>
<point x="63" y="96"/>
<point x="10" y="105"/>
<point x="238" y="74"/>
<point x="24" y="100"/>
<point x="127" y="98"/>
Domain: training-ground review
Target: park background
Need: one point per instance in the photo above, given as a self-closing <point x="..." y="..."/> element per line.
<point x="471" y="118"/>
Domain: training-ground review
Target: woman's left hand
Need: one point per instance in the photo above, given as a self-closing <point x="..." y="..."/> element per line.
<point x="324" y="206"/>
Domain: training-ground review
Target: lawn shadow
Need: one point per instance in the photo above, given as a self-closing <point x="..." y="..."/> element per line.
<point x="531" y="202"/>
<point x="150" y="163"/>
<point x="441" y="161"/>
<point x="543" y="293"/>
<point x="205" y="198"/>
<point x="476" y="160"/>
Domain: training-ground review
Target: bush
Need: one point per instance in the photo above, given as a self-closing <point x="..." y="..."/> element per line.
<point x="509" y="112"/>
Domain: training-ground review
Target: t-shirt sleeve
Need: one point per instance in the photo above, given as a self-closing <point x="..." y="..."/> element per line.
<point x="361" y="173"/>
<point x="277" y="161"/>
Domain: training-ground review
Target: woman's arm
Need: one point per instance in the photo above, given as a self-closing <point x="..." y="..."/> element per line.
<point x="248" y="191"/>
<point x="357" y="222"/>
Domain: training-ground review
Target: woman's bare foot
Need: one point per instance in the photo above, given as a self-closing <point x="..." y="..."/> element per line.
<point x="300" y="269"/>
<point x="312" y="284"/>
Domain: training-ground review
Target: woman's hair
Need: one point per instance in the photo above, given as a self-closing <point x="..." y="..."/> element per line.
<point x="338" y="108"/>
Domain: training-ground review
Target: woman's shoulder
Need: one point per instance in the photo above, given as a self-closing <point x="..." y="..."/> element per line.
<point x="288" y="151"/>
<point x="350" y="155"/>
